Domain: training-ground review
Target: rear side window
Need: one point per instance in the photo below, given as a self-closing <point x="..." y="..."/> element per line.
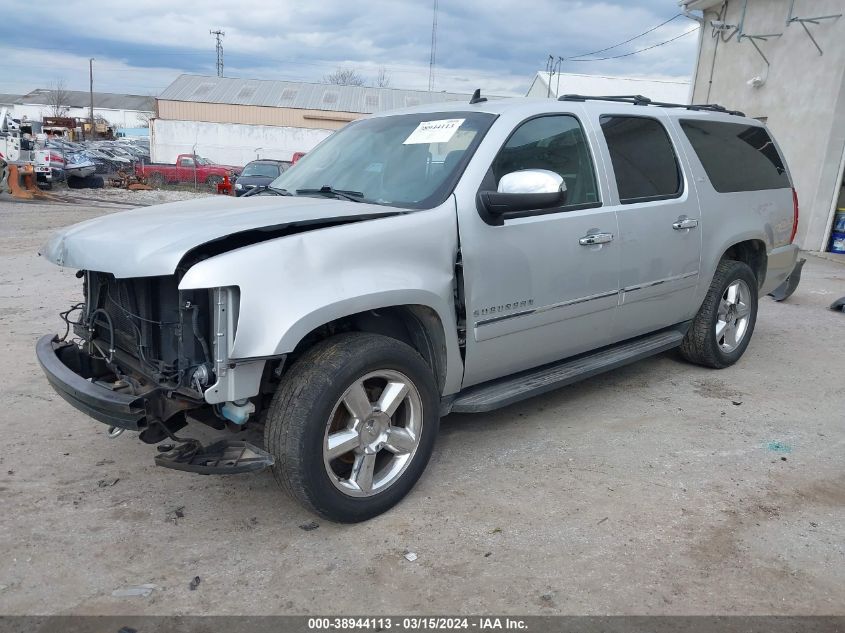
<point x="643" y="159"/>
<point x="736" y="157"/>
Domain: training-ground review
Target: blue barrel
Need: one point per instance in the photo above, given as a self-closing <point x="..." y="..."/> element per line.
<point x="839" y="221"/>
<point x="837" y="242"/>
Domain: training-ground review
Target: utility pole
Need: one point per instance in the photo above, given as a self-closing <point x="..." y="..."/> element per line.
<point x="218" y="34"/>
<point x="91" y="92"/>
<point x="433" y="57"/>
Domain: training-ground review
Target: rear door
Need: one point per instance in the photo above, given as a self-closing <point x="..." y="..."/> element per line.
<point x="659" y="222"/>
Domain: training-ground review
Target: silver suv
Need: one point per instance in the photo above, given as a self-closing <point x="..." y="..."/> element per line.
<point x="460" y="258"/>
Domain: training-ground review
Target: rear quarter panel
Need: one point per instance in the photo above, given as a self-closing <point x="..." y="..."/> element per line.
<point x="729" y="218"/>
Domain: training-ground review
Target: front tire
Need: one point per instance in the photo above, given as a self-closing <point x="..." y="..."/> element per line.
<point x="353" y="425"/>
<point x="722" y="329"/>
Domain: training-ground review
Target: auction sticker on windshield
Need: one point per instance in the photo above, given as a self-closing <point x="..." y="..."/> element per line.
<point x="434" y="131"/>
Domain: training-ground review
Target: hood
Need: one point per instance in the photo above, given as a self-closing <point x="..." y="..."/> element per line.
<point x="152" y="241"/>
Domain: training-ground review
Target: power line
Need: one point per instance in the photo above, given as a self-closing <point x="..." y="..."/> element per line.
<point x="602" y="50"/>
<point x="642" y="50"/>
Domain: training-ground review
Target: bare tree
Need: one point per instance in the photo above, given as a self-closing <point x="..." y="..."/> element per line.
<point x="382" y="80"/>
<point x="344" y="77"/>
<point x="58" y="99"/>
<point x="143" y="119"/>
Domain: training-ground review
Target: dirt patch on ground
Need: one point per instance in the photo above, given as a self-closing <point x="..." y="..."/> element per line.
<point x="643" y="491"/>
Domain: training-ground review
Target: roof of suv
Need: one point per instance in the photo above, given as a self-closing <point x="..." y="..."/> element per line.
<point x="600" y="105"/>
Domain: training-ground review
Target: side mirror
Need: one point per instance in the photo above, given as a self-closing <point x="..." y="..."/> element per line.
<point x="520" y="191"/>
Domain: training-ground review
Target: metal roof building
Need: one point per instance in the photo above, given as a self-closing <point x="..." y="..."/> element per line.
<point x="120" y="110"/>
<point x="234" y="120"/>
<point x="296" y="103"/>
<point x="82" y="99"/>
<point x="655" y="88"/>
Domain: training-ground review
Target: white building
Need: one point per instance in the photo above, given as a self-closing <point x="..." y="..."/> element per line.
<point x="233" y="121"/>
<point x="666" y="89"/>
<point x="120" y="110"/>
<point x="783" y="61"/>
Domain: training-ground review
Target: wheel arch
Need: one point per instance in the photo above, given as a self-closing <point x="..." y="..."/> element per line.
<point x="751" y="252"/>
<point x="417" y="325"/>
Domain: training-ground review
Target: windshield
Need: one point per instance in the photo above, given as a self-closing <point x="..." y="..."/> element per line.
<point x="406" y="160"/>
<point x="265" y="170"/>
<point x="202" y="161"/>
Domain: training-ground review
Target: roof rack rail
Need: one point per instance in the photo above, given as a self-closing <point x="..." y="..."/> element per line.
<point x="644" y="101"/>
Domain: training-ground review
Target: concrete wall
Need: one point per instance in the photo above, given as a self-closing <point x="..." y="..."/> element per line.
<point x="802" y="96"/>
<point x="229" y="143"/>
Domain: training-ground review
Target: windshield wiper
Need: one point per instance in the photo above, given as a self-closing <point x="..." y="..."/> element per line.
<point x="354" y="196"/>
<point x="273" y="190"/>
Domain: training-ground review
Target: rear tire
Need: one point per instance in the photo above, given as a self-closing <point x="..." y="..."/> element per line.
<point x="722" y="329"/>
<point x="155" y="179"/>
<point x="312" y="411"/>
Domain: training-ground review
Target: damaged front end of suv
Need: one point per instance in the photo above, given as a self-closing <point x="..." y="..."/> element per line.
<point x="140" y="354"/>
<point x="153" y="343"/>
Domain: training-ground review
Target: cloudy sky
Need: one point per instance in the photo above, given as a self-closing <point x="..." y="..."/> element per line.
<point x="139" y="47"/>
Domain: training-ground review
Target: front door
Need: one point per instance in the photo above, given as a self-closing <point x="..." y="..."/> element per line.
<point x="545" y="285"/>
<point x="659" y="224"/>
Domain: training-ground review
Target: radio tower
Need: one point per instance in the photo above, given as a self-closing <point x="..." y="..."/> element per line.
<point x="433" y="49"/>
<point x="218" y="34"/>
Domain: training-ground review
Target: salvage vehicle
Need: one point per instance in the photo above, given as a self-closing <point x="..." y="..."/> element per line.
<point x="49" y="166"/>
<point x="259" y="173"/>
<point x="188" y="168"/>
<point x="448" y="258"/>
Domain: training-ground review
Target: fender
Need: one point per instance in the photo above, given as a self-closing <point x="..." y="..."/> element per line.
<point x="291" y="285"/>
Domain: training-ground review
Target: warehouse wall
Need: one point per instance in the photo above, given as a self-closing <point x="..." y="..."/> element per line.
<point x="802" y="99"/>
<point x="254" y="115"/>
<point x="229" y="143"/>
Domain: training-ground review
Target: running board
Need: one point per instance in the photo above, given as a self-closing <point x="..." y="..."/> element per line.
<point x="504" y="391"/>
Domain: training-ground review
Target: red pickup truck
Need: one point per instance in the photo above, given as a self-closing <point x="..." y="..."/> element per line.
<point x="188" y="168"/>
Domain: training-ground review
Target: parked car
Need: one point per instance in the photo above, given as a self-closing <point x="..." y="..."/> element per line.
<point x="105" y="163"/>
<point x="188" y="168"/>
<point x="101" y="165"/>
<point x="460" y="257"/>
<point x="116" y="157"/>
<point x="259" y="172"/>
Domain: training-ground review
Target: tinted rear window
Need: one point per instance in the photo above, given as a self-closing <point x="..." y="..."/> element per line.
<point x="736" y="157"/>
<point x="643" y="158"/>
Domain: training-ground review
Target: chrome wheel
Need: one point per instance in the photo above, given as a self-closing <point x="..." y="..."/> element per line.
<point x="372" y="433"/>
<point x="733" y="315"/>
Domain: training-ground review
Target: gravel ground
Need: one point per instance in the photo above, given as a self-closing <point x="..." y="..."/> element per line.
<point x="127" y="197"/>
<point x="660" y="488"/>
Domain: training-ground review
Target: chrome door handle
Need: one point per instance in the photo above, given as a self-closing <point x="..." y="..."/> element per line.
<point x="685" y="223"/>
<point x="596" y="238"/>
